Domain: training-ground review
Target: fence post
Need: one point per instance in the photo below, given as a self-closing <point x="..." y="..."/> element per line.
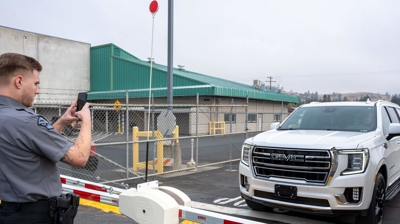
<point x="127" y="133"/>
<point x="197" y="129"/>
<point x="247" y="116"/>
<point x="106" y="121"/>
<point x="152" y="129"/>
<point x="230" y="135"/>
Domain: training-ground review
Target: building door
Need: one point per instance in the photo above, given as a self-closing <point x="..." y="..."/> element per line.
<point x="259" y="122"/>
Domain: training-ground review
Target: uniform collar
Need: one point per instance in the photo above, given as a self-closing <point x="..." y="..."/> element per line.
<point x="5" y="100"/>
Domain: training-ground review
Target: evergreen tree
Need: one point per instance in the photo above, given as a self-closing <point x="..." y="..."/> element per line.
<point x="324" y="98"/>
<point x="396" y="99"/>
<point x="363" y="98"/>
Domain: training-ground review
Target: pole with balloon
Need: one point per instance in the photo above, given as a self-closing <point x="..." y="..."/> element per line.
<point x="153" y="9"/>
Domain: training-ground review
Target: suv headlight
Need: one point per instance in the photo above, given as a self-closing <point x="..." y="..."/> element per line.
<point x="245" y="157"/>
<point x="357" y="161"/>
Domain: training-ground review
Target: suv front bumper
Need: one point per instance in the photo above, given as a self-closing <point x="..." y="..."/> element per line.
<point x="315" y="199"/>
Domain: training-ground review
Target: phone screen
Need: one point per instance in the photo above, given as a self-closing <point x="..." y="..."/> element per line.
<point x="82" y="97"/>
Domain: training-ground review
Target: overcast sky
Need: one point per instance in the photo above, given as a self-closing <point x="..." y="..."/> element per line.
<point x="316" y="45"/>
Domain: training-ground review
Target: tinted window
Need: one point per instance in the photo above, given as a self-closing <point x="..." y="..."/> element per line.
<point x="385" y="121"/>
<point x="398" y="111"/>
<point x="393" y="115"/>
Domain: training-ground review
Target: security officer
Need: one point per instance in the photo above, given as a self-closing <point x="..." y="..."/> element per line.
<point x="30" y="146"/>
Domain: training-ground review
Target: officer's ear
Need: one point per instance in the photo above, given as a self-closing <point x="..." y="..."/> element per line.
<point x="17" y="81"/>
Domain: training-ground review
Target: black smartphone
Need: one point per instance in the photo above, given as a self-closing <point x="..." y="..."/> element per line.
<point x="82" y="97"/>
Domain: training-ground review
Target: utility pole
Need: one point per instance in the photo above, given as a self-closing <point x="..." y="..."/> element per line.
<point x="270" y="81"/>
<point x="170" y="88"/>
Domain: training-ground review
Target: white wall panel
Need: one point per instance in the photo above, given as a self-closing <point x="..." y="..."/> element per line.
<point x="66" y="63"/>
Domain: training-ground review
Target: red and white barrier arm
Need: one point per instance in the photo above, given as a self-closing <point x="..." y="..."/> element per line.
<point x="67" y="180"/>
<point x="149" y="203"/>
<point x="93" y="195"/>
<point x="91" y="190"/>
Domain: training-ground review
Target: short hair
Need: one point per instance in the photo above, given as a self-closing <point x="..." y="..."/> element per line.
<point x="10" y="63"/>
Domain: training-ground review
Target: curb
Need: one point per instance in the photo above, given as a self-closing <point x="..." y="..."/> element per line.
<point x="101" y="206"/>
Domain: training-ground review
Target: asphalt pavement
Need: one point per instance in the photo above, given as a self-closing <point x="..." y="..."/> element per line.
<point x="216" y="189"/>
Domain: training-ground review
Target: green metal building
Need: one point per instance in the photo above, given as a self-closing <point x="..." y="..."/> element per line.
<point x="114" y="72"/>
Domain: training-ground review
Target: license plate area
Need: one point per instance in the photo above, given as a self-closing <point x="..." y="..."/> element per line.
<point x="286" y="191"/>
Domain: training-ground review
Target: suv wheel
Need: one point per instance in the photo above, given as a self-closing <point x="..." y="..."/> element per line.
<point x="377" y="207"/>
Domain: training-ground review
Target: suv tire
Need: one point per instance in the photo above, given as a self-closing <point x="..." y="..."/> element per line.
<point x="377" y="207"/>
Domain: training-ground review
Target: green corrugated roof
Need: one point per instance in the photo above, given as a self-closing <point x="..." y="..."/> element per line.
<point x="113" y="71"/>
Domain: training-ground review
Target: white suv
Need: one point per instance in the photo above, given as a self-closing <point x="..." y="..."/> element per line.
<point x="336" y="158"/>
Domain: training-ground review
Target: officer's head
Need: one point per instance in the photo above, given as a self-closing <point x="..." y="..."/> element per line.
<point x="19" y="77"/>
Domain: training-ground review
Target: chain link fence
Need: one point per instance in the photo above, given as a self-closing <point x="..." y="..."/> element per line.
<point x="134" y="143"/>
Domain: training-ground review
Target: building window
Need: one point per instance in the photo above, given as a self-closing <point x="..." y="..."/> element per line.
<point x="251" y="118"/>
<point x="277" y="117"/>
<point x="226" y="118"/>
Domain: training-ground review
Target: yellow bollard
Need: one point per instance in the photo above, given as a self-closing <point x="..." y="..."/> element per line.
<point x="135" y="137"/>
<point x="119" y="129"/>
<point x="159" y="166"/>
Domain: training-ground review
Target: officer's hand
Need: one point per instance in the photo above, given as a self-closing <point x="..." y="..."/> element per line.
<point x="84" y="114"/>
<point x="69" y="118"/>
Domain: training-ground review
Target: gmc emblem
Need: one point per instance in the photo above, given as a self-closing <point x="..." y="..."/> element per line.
<point x="289" y="157"/>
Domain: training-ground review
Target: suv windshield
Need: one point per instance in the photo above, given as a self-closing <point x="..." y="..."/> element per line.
<point x="338" y="118"/>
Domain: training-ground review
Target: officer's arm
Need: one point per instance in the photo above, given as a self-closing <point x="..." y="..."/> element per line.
<point x="78" y="154"/>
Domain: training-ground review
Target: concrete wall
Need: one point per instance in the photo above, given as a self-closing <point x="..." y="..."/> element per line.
<point x="66" y="63"/>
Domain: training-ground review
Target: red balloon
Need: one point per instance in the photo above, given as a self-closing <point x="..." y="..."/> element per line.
<point x="154" y="6"/>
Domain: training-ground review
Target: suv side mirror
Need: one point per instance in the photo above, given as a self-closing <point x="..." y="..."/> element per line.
<point x="394" y="130"/>
<point x="274" y="125"/>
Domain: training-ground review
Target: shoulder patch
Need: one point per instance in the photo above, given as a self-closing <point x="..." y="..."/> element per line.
<point x="41" y="121"/>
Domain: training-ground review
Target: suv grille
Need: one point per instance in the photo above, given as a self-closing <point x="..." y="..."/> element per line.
<point x="309" y="165"/>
